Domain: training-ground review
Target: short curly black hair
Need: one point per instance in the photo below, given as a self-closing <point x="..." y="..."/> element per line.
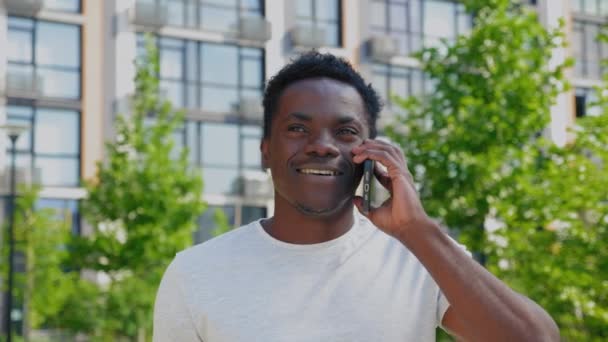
<point x="312" y="65"/>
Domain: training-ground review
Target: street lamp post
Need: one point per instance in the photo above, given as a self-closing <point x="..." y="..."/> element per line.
<point x="13" y="132"/>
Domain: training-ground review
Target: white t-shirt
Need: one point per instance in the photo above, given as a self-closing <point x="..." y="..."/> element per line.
<point x="247" y="286"/>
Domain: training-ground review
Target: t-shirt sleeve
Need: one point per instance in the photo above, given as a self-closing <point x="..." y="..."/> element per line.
<point x="442" y="302"/>
<point x="172" y="317"/>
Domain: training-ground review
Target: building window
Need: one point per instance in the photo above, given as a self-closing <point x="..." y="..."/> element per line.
<point x="390" y="80"/>
<point x="323" y="14"/>
<point x="51" y="147"/>
<point x="223" y="168"/>
<point x="212" y="77"/>
<point x="63" y="5"/>
<point x="590" y="7"/>
<point x="585" y="99"/>
<point x="64" y="210"/>
<point x="47" y="54"/>
<point x="418" y="23"/>
<point x="588" y="50"/>
<point x="212" y="15"/>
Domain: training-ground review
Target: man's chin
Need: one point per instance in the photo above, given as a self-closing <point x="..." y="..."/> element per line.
<point x="322" y="210"/>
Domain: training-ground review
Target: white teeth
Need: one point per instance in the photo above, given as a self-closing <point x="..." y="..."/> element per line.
<point x="319" y="172"/>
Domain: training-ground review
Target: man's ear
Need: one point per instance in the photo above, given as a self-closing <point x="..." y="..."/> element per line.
<point x="265" y="149"/>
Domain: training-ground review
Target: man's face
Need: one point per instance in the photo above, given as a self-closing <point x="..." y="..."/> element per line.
<point x="317" y="123"/>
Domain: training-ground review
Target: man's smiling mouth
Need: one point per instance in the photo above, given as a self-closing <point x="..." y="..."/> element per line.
<point x="318" y="172"/>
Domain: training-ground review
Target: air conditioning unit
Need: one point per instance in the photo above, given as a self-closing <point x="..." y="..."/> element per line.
<point x="383" y="48"/>
<point x="23" y="84"/>
<point x="153" y="15"/>
<point x="23" y="175"/>
<point x="308" y="36"/>
<point x="257" y="184"/>
<point x="251" y="108"/>
<point x="254" y="28"/>
<point x="23" y="7"/>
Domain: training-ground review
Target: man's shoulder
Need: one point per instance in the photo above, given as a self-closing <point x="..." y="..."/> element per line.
<point x="219" y="247"/>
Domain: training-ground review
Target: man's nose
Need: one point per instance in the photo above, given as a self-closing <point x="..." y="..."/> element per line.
<point x="322" y="145"/>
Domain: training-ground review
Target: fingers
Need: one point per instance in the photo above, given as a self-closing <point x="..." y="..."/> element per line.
<point x="387" y="154"/>
<point x="382" y="176"/>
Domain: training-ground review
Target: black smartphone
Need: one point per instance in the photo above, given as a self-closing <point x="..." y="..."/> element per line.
<point x="368" y="171"/>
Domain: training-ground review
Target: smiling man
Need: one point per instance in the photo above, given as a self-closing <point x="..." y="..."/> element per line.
<point x="319" y="270"/>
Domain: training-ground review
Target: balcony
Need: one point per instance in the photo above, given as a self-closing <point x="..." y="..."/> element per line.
<point x="382" y="49"/>
<point x="251" y="108"/>
<point x="22" y="7"/>
<point x="308" y="37"/>
<point x="256" y="184"/>
<point x="149" y="15"/>
<point x="255" y="29"/>
<point x="23" y="83"/>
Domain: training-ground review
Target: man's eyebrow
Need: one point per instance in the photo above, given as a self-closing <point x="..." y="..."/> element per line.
<point x="299" y="116"/>
<point x="344" y="119"/>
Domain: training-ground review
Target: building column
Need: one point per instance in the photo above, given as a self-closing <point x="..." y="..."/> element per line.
<point x="563" y="111"/>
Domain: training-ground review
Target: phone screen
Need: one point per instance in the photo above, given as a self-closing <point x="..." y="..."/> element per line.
<point x="368" y="170"/>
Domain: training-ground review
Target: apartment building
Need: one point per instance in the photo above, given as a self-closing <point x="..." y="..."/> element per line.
<point x="66" y="70"/>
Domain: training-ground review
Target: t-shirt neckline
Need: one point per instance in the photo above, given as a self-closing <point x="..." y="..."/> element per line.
<point x="308" y="247"/>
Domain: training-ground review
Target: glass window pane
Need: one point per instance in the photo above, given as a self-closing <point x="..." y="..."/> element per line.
<point x="20" y="111"/>
<point x="250" y="214"/>
<point x="58" y="171"/>
<point x="192" y="61"/>
<point x="18" y="22"/>
<point x="332" y="33"/>
<point x="173" y="91"/>
<point x="220" y="144"/>
<point x="171" y="63"/>
<point x="398" y="17"/>
<point x="59" y="83"/>
<point x="219" y="64"/>
<point x="378" y="14"/>
<point x="591" y="7"/>
<point x="218" y="19"/>
<point x="251" y="153"/>
<point x="175" y="10"/>
<point x="20" y="46"/>
<point x="399" y="86"/>
<point x="57" y="132"/>
<point x="251" y="52"/>
<point x="57" y="44"/>
<point x="223" y="3"/>
<point x="304" y="8"/>
<point x="252" y="6"/>
<point x="252" y="73"/>
<point x="327" y="10"/>
<point x="219" y="99"/>
<point x="192" y="96"/>
<point x="220" y="181"/>
<point x="439" y="19"/>
<point x="63" y="5"/>
<point x="192" y="141"/>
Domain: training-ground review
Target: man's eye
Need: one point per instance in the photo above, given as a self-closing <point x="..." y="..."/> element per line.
<point x="347" y="131"/>
<point x="296" y="129"/>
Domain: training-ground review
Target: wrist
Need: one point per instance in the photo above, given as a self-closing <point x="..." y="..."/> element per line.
<point x="416" y="231"/>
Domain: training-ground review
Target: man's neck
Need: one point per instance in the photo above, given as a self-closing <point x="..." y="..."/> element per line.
<point x="292" y="226"/>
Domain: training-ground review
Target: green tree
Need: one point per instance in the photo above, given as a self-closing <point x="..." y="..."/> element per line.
<point x="493" y="92"/>
<point x="142" y="207"/>
<point x="49" y="293"/>
<point x="553" y="224"/>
